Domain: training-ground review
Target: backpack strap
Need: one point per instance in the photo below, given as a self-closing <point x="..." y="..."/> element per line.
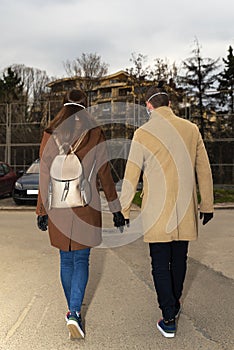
<point x="78" y="142"/>
<point x="60" y="146"/>
<point x="76" y="145"/>
<point x="91" y="172"/>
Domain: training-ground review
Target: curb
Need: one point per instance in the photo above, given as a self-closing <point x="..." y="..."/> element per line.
<point x="18" y="208"/>
<point x="220" y="206"/>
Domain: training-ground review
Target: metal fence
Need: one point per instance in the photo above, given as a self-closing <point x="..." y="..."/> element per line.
<point x="21" y="128"/>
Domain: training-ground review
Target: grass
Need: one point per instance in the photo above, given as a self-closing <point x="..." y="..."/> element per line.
<point x="220" y="196"/>
<point x="223" y="195"/>
<point x="137" y="199"/>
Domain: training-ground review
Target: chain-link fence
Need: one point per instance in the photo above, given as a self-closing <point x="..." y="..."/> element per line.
<point x="21" y="128"/>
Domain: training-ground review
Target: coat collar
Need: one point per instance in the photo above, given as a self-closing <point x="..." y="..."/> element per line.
<point x="164" y="111"/>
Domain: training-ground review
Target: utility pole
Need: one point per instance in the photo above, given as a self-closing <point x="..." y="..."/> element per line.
<point x="200" y="92"/>
<point x="8" y="135"/>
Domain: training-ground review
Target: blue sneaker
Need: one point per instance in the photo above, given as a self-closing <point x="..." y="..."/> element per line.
<point x="167" y="328"/>
<point x="74" y="325"/>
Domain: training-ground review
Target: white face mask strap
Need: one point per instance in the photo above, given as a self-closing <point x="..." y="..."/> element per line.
<point x="157" y="93"/>
<point x="74" y="103"/>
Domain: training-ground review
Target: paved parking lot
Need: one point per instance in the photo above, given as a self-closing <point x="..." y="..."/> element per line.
<point x="120" y="308"/>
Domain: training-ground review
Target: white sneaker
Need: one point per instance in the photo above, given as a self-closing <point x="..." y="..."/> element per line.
<point x="74" y="325"/>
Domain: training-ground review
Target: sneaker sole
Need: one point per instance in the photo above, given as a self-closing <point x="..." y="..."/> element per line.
<point x="165" y="334"/>
<point x="74" y="329"/>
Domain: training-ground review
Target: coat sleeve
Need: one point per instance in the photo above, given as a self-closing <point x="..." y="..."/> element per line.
<point x="204" y="177"/>
<point x="131" y="176"/>
<point x="105" y="176"/>
<point x="44" y="179"/>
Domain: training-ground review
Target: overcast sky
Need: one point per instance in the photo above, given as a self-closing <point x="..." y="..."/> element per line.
<point x="45" y="33"/>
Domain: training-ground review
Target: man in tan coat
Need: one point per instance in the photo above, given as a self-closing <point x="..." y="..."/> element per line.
<point x="171" y="153"/>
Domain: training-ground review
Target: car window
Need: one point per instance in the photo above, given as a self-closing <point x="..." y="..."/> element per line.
<point x="33" y="169"/>
<point x="6" y="168"/>
<point x="1" y="170"/>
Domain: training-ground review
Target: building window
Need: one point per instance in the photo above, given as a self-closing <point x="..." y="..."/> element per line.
<point x="105" y="93"/>
<point x="124" y="92"/>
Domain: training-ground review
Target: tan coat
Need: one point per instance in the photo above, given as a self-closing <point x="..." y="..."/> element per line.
<point x="170" y="151"/>
<point x="77" y="228"/>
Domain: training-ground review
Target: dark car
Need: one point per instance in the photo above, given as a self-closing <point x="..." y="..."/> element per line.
<point x="7" y="179"/>
<point x="26" y="187"/>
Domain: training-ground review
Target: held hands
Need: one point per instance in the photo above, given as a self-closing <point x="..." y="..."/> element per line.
<point x="119" y="220"/>
<point x="206" y="217"/>
<point x="42" y="222"/>
<point x="127" y="222"/>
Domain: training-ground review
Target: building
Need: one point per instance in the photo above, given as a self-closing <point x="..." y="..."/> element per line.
<point x="114" y="100"/>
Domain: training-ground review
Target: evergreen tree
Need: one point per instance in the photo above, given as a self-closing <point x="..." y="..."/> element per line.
<point x="226" y="82"/>
<point x="199" y="77"/>
<point x="11" y="87"/>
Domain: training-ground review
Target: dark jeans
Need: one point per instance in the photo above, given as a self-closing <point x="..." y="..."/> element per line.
<point x="74" y="269"/>
<point x="169" y="262"/>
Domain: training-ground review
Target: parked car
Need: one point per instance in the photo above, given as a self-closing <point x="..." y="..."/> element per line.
<point x="26" y="186"/>
<point x="7" y="179"/>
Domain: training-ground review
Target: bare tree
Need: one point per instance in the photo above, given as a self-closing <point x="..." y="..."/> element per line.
<point x="138" y="74"/>
<point x="139" y="71"/>
<point x="168" y="73"/>
<point x="163" y="70"/>
<point x="88" y="66"/>
<point x="34" y="81"/>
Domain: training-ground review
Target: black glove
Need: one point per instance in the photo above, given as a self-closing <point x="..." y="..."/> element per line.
<point x="42" y="222"/>
<point x="206" y="217"/>
<point x="127" y="222"/>
<point x="119" y="220"/>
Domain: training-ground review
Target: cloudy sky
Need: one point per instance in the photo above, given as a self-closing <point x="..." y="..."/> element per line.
<point x="45" y="33"/>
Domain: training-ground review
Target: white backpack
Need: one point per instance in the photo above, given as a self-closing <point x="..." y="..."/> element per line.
<point x="68" y="188"/>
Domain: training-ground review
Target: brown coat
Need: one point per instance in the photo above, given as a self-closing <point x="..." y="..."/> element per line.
<point x="170" y="151"/>
<point x="77" y="228"/>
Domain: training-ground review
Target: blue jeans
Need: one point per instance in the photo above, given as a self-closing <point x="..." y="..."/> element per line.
<point x="169" y="263"/>
<point x="74" y="272"/>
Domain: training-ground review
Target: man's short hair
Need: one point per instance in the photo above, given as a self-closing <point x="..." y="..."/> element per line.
<point x="157" y="96"/>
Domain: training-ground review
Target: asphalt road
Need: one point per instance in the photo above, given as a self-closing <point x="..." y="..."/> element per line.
<point x="120" y="308"/>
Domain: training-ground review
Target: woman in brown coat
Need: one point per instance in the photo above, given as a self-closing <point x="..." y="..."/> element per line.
<point x="75" y="230"/>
